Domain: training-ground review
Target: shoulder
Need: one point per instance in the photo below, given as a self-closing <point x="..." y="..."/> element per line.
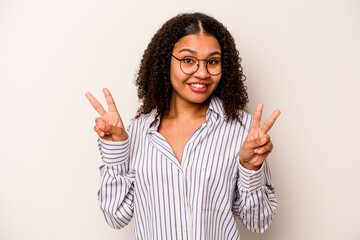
<point x="144" y="122"/>
<point x="217" y="106"/>
<point x="246" y="119"/>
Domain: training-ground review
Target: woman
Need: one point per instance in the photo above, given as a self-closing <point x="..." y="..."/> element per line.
<point x="193" y="158"/>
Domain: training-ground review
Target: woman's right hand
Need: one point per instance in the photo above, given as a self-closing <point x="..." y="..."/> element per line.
<point x="109" y="125"/>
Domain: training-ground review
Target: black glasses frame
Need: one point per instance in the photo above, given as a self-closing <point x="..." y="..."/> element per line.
<point x="198" y="65"/>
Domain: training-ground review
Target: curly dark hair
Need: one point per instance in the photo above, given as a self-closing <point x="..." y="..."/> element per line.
<point x="153" y="77"/>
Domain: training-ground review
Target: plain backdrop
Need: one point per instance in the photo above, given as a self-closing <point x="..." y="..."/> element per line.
<point x="301" y="57"/>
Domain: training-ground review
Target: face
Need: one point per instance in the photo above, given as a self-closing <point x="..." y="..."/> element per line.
<point x="197" y="87"/>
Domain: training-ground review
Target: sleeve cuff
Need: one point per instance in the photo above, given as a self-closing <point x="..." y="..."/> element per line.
<point x="113" y="153"/>
<point x="250" y="180"/>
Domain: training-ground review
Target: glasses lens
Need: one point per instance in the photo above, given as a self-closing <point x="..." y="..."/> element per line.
<point x="214" y="66"/>
<point x="189" y="65"/>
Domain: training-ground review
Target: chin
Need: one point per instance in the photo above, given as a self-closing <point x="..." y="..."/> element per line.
<point x="199" y="99"/>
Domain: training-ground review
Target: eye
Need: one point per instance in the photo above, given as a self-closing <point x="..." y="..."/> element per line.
<point x="213" y="61"/>
<point x="188" y="60"/>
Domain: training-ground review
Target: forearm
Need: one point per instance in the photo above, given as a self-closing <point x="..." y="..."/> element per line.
<point x="255" y="201"/>
<point x="116" y="190"/>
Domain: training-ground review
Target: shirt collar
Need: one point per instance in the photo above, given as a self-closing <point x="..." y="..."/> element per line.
<point x="215" y="108"/>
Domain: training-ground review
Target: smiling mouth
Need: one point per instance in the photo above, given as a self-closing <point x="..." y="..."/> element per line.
<point x="198" y="87"/>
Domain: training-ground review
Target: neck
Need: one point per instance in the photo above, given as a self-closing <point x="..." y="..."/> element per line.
<point x="181" y="109"/>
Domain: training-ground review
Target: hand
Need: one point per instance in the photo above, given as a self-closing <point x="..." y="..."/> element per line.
<point x="109" y="126"/>
<point x="257" y="145"/>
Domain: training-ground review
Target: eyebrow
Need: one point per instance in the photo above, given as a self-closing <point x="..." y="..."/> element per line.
<point x="194" y="52"/>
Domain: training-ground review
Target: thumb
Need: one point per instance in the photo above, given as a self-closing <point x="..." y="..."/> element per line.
<point x="257" y="142"/>
<point x="117" y="133"/>
<point x="107" y="128"/>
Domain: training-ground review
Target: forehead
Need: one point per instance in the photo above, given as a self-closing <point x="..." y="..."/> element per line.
<point x="199" y="43"/>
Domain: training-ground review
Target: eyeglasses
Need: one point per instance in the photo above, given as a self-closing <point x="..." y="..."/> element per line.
<point x="189" y="65"/>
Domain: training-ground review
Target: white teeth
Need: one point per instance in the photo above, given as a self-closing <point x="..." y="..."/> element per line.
<point x="198" y="85"/>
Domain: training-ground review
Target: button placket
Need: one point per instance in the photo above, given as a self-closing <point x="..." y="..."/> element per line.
<point x="184" y="205"/>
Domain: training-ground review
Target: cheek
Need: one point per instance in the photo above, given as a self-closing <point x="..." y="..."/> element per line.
<point x="177" y="76"/>
<point x="172" y="67"/>
<point x="217" y="80"/>
<point x="174" y="74"/>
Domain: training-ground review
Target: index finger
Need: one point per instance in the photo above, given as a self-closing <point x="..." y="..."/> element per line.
<point x="95" y="103"/>
<point x="109" y="100"/>
<point x="257" y="116"/>
<point x="270" y="121"/>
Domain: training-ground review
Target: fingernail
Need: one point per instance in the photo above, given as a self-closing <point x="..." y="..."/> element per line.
<point x="263" y="140"/>
<point x="101" y="126"/>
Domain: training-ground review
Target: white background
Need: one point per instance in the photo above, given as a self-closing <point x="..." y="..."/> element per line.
<point x="301" y="57"/>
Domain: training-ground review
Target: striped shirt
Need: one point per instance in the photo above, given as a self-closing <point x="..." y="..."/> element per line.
<point x="195" y="199"/>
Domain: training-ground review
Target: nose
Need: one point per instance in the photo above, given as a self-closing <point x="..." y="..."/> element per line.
<point x="202" y="71"/>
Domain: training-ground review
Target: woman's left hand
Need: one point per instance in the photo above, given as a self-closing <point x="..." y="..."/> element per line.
<point x="257" y="145"/>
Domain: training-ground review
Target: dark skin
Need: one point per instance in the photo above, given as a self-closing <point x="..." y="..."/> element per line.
<point x="178" y="128"/>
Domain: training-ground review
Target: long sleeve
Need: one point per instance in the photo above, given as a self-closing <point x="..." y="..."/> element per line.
<point x="255" y="202"/>
<point x="116" y="194"/>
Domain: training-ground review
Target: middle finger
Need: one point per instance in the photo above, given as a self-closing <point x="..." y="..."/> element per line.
<point x="270" y="121"/>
